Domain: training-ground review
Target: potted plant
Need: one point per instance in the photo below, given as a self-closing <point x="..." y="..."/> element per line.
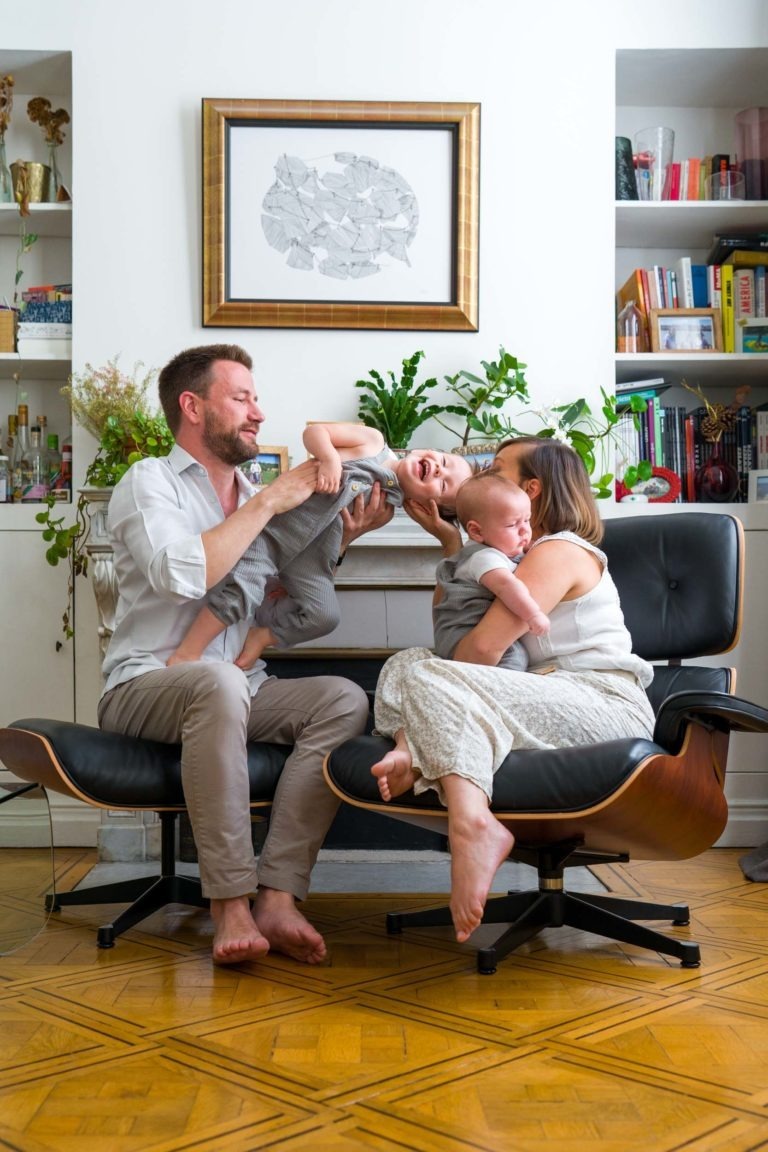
<point x="397" y="409"/>
<point x="114" y="407"/>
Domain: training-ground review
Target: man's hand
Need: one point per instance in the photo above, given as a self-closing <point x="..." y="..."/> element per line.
<point x="428" y="517"/>
<point x="290" y="489"/>
<point x="359" y="517"/>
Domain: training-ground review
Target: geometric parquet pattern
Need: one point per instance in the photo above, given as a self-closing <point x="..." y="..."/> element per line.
<point x="396" y="1044"/>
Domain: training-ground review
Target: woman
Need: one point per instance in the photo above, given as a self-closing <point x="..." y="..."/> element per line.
<point x="455" y="721"/>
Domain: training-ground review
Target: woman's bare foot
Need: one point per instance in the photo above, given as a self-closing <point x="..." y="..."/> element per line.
<point x="395" y="771"/>
<point x="479" y="845"/>
<point x="286" y="929"/>
<point x="237" y="937"/>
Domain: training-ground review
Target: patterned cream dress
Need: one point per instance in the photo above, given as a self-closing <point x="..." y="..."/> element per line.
<point x="464" y="719"/>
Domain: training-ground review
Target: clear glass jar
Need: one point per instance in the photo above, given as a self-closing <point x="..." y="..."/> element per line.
<point x="631" y="331"/>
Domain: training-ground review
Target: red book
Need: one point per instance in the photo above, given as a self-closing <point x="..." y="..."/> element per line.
<point x="690" y="465"/>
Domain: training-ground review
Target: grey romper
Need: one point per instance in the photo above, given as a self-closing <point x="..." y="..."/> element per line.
<point x="300" y="547"/>
<point x="463" y="604"/>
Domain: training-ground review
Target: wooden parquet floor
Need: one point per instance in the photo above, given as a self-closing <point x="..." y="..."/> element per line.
<point x="396" y="1044"/>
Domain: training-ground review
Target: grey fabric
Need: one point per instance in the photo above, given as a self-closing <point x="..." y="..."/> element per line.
<point x="754" y="864"/>
<point x="462" y="605"/>
<point x="302" y="546"/>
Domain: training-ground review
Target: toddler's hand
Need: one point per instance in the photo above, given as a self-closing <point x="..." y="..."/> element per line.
<point x="539" y="624"/>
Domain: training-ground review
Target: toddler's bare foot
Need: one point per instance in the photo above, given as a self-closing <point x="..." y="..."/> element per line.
<point x="256" y="641"/>
<point x="286" y="929"/>
<point x="479" y="845"/>
<point x="395" y="771"/>
<point x="237" y="937"/>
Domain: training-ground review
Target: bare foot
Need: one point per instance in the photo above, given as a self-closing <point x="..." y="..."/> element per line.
<point x="286" y="929"/>
<point x="237" y="938"/>
<point x="256" y="641"/>
<point x="479" y="845"/>
<point x="395" y="771"/>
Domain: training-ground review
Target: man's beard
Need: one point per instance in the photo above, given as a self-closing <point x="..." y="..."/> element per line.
<point x="226" y="443"/>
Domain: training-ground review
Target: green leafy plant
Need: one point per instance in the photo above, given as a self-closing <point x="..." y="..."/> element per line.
<point x="26" y="241"/>
<point x="478" y="401"/>
<point x="397" y="408"/>
<point x="114" y="407"/>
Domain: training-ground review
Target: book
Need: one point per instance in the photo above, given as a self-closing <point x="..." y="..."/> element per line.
<point x="684" y="274"/>
<point x="700" y="290"/>
<point x="34" y="347"/>
<point x="723" y="246"/>
<point x="645" y="388"/>
<point x="727" y="307"/>
<point x="40" y="330"/>
<point x="745" y="258"/>
<point x="761" y="432"/>
<point x="714" y="281"/>
<point x="744" y="291"/>
<point x="760" y="294"/>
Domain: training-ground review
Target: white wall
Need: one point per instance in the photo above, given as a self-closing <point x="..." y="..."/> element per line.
<point x="544" y="74"/>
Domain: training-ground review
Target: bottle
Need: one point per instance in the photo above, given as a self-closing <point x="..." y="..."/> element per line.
<point x="5" y="488"/>
<point x="13" y="421"/>
<point x="62" y="489"/>
<point x="21" y="446"/>
<point x="34" y="471"/>
<point x="631" y="330"/>
<point x="53" y="460"/>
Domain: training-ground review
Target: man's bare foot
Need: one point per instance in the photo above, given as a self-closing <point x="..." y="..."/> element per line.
<point x="479" y="845"/>
<point x="286" y="929"/>
<point x="237" y="937"/>
<point x="395" y="771"/>
<point x="180" y="656"/>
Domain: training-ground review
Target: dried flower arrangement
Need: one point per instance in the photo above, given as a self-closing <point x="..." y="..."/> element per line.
<point x="40" y="112"/>
<point x="6" y="102"/>
<point x="720" y="417"/>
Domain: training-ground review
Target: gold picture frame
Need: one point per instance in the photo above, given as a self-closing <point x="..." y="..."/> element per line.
<point x="271" y="462"/>
<point x="686" y="330"/>
<point x="263" y="266"/>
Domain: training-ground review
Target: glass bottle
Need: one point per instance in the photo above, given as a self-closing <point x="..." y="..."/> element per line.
<point x="631" y="332"/>
<point x="54" y="181"/>
<point x="11" y="440"/>
<point x="62" y="489"/>
<point x="5" y="485"/>
<point x="34" y="471"/>
<point x="6" y="183"/>
<point x="53" y="459"/>
<point x="21" y="446"/>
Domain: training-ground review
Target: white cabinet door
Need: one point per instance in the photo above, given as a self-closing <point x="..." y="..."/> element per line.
<point x="37" y="679"/>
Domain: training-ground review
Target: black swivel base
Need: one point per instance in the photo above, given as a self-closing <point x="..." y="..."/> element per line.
<point x="146" y="894"/>
<point x="527" y="913"/>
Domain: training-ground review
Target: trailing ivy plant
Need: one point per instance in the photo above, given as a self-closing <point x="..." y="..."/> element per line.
<point x="399" y="407"/>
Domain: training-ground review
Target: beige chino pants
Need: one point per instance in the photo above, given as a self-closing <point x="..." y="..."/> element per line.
<point x="207" y="707"/>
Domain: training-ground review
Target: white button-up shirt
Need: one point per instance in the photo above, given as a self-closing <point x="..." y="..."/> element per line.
<point x="157" y="515"/>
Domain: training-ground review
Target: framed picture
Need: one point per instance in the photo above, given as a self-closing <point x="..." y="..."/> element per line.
<point x="270" y="463"/>
<point x="329" y="214"/>
<point x="757" y="489"/>
<point x="752" y="335"/>
<point x="663" y="487"/>
<point x="686" y="330"/>
<point x="480" y="456"/>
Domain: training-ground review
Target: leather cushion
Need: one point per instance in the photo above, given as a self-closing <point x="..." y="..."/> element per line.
<point x="126" y="772"/>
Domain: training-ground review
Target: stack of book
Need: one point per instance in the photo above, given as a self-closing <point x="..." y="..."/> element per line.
<point x="45" y="325"/>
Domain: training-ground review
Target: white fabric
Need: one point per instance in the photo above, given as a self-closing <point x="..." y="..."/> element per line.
<point x="156" y="517"/>
<point x="589" y="632"/>
<point x="483" y="561"/>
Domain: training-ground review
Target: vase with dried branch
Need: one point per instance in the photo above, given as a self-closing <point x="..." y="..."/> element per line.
<point x="52" y="122"/>
<point x="716" y="481"/>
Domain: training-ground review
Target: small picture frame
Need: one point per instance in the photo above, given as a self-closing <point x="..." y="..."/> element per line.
<point x="686" y="330"/>
<point x="752" y="335"/>
<point x="271" y="462"/>
<point x="663" y="487"/>
<point x="757" y="489"/>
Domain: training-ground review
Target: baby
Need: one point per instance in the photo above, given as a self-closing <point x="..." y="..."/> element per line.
<point x="301" y="546"/>
<point x="496" y="515"/>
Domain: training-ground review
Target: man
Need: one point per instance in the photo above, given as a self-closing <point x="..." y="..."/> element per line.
<point x="178" y="524"/>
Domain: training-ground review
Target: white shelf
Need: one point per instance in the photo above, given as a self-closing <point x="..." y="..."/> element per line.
<point x="39" y="368"/>
<point x="54" y="220"/>
<point x="728" y="369"/>
<point x="685" y="223"/>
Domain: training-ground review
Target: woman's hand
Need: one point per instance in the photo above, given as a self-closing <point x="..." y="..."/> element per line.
<point x="359" y="517"/>
<point x="428" y="517"/>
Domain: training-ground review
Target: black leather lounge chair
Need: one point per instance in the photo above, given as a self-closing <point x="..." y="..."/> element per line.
<point x="680" y="580"/>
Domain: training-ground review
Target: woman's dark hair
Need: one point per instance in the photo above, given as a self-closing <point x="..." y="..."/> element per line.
<point x="190" y="371"/>
<point x="566" y="502"/>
